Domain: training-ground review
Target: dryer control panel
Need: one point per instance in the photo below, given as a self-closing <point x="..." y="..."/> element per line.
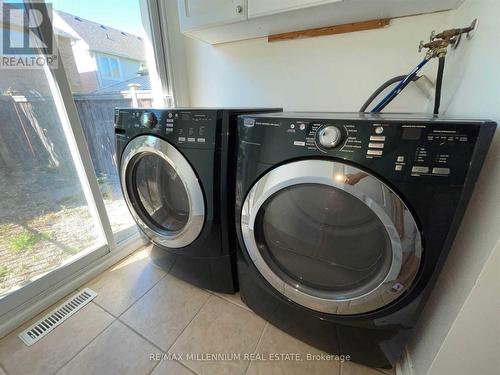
<point x="185" y="128"/>
<point x="414" y="148"/>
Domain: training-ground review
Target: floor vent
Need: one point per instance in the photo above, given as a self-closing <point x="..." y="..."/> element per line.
<point x="57" y="316"/>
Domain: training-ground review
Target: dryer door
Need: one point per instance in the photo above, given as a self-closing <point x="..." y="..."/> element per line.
<point x="162" y="191"/>
<point x="331" y="237"/>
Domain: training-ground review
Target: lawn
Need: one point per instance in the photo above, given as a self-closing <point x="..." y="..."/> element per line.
<point x="44" y="220"/>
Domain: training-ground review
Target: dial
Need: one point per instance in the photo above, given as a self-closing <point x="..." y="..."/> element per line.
<point x="329" y="136"/>
<point x="149" y="119"/>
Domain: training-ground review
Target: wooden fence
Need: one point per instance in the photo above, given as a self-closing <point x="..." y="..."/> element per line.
<point x="31" y="135"/>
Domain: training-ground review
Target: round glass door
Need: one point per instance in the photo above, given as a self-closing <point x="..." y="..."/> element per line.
<point x="331" y="237"/>
<point x="162" y="192"/>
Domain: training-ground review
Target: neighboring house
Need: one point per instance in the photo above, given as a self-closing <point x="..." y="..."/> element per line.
<point x="141" y="83"/>
<point x="94" y="56"/>
<point x="103" y="56"/>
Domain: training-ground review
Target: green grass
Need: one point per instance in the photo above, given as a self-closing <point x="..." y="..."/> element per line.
<point x="4" y="271"/>
<point x="26" y="241"/>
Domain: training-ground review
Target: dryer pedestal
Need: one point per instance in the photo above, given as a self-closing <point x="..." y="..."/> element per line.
<point x="359" y="339"/>
<point x="216" y="274"/>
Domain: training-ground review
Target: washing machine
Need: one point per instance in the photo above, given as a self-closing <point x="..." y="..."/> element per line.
<point x="345" y="219"/>
<point x="177" y="178"/>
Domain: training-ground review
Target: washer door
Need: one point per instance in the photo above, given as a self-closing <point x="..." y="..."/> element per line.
<point x="162" y="191"/>
<point x="331" y="237"/>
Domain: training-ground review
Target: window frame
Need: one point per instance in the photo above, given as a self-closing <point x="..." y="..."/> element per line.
<point x="158" y="52"/>
<point x="104" y="58"/>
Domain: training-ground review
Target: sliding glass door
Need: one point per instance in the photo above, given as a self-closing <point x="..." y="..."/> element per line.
<point x="107" y="62"/>
<point x="61" y="206"/>
<point x="46" y="217"/>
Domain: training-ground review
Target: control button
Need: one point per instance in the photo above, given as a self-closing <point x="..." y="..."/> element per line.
<point x="379" y="130"/>
<point x="169" y="114"/>
<point x="201" y="130"/>
<point x="417" y="169"/>
<point x="376" y="145"/>
<point x="201" y="140"/>
<point x="302" y="126"/>
<point x="374" y="152"/>
<point x="299" y="143"/>
<point x="191" y="139"/>
<point x="292" y="126"/>
<point x="329" y="136"/>
<point x="398" y="167"/>
<point x="440" y="170"/>
<point x="182" y="139"/>
<point x="377" y="138"/>
<point x="400" y="159"/>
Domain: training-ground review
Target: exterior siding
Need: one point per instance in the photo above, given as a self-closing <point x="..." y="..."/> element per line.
<point x="69" y="63"/>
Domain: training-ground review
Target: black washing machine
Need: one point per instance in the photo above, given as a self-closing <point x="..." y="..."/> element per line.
<point x="345" y="220"/>
<point x="178" y="182"/>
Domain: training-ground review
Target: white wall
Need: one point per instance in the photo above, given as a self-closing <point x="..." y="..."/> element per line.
<point x="336" y="73"/>
<point x="331" y="73"/>
<point x="472" y="344"/>
<point x="471" y="88"/>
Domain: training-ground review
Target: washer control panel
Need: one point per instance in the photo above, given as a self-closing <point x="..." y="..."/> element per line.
<point x="402" y="150"/>
<point x="186" y="128"/>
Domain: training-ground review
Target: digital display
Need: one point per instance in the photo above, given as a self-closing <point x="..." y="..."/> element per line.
<point x="411" y="134"/>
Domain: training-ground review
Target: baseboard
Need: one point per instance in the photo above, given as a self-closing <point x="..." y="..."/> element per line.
<point x="404" y="366"/>
<point x="42" y="301"/>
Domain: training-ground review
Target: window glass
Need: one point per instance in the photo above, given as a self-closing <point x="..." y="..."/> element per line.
<point x="105" y="61"/>
<point x="114" y="68"/>
<point x="45" y="218"/>
<point x="161" y="193"/>
<point x="106" y="69"/>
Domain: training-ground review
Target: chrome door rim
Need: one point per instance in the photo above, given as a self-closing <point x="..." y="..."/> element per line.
<point x="148" y="144"/>
<point x="310" y="171"/>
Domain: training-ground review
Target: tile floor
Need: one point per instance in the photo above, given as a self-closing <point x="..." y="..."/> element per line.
<point x="141" y="312"/>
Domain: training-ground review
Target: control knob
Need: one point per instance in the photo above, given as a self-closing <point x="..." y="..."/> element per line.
<point x="329" y="136"/>
<point x="149" y="120"/>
